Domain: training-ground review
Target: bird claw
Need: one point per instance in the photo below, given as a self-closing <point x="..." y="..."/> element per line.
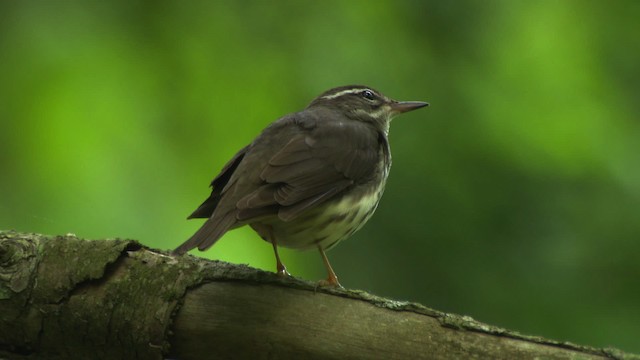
<point x="282" y="271"/>
<point x="331" y="282"/>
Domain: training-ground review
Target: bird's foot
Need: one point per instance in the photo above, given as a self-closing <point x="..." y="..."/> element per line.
<point x="332" y="279"/>
<point x="330" y="282"/>
<point x="282" y="271"/>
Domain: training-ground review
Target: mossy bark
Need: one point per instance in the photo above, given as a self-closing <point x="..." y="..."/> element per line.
<point x="64" y="297"/>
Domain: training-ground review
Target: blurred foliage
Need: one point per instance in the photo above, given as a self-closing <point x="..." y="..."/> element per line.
<point x="514" y="198"/>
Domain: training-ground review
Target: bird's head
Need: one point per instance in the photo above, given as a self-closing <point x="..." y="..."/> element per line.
<point x="363" y="103"/>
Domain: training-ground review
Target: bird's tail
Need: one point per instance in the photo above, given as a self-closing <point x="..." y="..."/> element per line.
<point x="210" y="232"/>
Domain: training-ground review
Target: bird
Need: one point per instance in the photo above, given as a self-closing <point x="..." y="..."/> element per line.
<point x="310" y="179"/>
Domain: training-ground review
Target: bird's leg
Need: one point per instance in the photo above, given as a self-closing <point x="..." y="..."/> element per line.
<point x="332" y="279"/>
<point x="266" y="233"/>
<point x="281" y="269"/>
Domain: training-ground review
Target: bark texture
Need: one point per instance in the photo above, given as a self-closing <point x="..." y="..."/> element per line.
<point x="63" y="297"/>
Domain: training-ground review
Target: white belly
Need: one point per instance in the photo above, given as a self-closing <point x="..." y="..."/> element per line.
<point x="327" y="225"/>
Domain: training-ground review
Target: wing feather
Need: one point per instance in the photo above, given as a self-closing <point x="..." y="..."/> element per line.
<point x="310" y="169"/>
<point x="219" y="185"/>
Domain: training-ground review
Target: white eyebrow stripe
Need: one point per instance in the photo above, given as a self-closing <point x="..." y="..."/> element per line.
<point x="343" y="92"/>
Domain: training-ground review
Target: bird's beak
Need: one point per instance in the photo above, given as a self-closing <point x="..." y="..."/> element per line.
<point x="400" y="107"/>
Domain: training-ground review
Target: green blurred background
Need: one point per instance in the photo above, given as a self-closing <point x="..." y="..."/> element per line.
<point x="514" y="198"/>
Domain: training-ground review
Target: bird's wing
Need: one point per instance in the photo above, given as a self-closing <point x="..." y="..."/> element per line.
<point x="218" y="186"/>
<point x="214" y="227"/>
<point x="310" y="169"/>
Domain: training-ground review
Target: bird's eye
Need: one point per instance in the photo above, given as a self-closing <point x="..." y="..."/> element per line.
<point x="368" y="94"/>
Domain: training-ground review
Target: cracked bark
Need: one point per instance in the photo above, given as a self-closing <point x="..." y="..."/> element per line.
<point x="64" y="297"/>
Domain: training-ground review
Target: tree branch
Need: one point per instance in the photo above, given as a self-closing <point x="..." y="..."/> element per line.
<point x="64" y="297"/>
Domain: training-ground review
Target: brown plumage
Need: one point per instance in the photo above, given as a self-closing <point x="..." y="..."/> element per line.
<point x="310" y="179"/>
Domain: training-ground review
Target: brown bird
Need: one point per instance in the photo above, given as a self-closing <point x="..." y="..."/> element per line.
<point x="310" y="180"/>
